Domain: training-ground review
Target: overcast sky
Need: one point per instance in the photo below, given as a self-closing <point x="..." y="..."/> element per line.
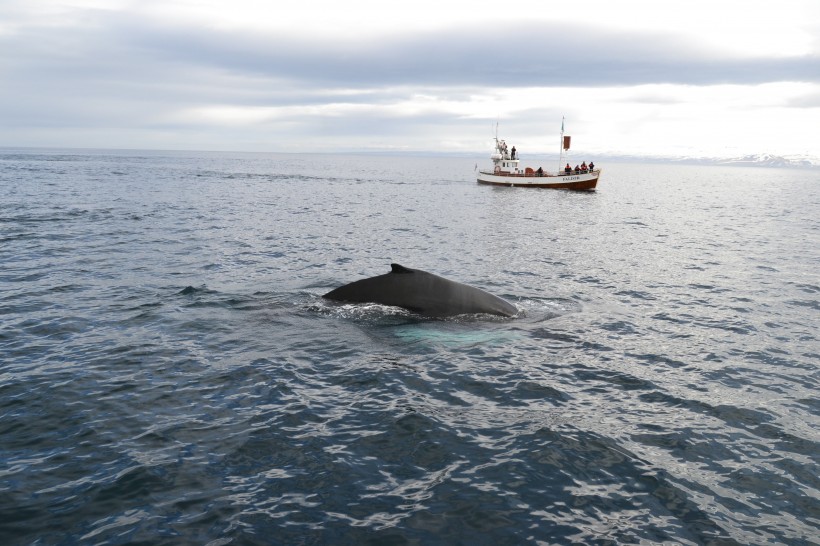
<point x="690" y="77"/>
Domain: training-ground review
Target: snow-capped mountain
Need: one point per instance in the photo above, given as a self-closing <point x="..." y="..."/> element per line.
<point x="769" y="160"/>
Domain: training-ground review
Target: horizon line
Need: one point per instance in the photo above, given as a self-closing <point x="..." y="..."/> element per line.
<point x="796" y="160"/>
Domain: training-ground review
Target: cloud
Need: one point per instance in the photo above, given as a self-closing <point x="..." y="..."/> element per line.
<point x="806" y="100"/>
<point x="111" y="45"/>
<point x="122" y="79"/>
<point x="515" y="55"/>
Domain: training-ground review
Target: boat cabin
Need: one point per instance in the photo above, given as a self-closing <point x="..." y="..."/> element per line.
<point x="504" y="160"/>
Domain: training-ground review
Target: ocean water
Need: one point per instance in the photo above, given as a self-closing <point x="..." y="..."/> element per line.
<point x="169" y="373"/>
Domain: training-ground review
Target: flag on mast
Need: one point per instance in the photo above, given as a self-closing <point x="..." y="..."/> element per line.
<point x="564" y="139"/>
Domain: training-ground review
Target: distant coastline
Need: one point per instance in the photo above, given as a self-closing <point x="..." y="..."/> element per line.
<point x="753" y="160"/>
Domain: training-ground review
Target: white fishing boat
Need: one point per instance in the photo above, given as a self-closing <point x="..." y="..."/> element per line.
<point x="507" y="171"/>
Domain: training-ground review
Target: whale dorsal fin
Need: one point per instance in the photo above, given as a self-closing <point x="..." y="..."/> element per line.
<point x="396" y="268"/>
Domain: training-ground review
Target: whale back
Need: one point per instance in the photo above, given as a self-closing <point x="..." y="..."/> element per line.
<point x="422" y="292"/>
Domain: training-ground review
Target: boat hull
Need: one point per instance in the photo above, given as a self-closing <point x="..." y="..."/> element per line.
<point x="581" y="181"/>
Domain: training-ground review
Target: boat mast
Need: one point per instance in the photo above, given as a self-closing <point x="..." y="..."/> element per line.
<point x="561" y="147"/>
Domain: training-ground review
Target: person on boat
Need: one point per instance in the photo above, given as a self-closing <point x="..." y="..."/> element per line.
<point x="540" y="171"/>
<point x="567" y="169"/>
<point x="583" y="166"/>
<point x="512" y="153"/>
<point x="577" y="169"/>
<point x="591" y="166"/>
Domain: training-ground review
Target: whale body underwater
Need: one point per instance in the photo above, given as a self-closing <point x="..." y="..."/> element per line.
<point x="423" y="293"/>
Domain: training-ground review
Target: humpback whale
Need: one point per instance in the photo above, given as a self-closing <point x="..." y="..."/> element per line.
<point x="423" y="293"/>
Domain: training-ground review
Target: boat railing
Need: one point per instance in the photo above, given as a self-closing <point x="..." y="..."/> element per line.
<point x="529" y="172"/>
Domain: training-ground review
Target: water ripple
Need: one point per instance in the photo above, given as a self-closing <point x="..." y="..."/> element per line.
<point x="170" y="373"/>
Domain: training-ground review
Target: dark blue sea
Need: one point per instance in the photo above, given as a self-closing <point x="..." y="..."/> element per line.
<point x="169" y="373"/>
